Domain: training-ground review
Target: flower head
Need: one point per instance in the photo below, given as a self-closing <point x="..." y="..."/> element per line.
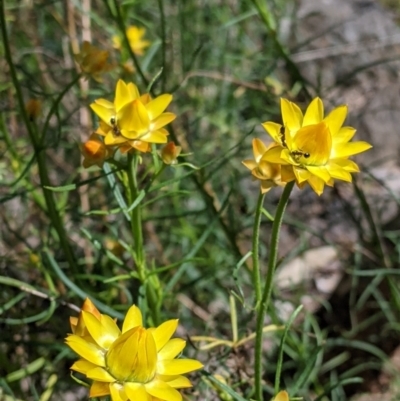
<point x="133" y="121"/>
<point x="268" y="173"/>
<point x="93" y="61"/>
<point x="135" y="38"/>
<point x="313" y="147"/>
<point x="134" y="363"/>
<point x="170" y="152"/>
<point x="94" y="151"/>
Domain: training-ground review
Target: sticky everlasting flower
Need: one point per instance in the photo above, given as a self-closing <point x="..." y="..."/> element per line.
<point x="129" y="364"/>
<point x="135" y="38"/>
<point x="93" y="61"/>
<point x="133" y="121"/>
<point x="269" y="174"/>
<point x="313" y="148"/>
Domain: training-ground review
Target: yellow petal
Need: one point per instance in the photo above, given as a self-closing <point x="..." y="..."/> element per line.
<point x="104" y="332"/>
<point x="111" y="139"/>
<point x="122" y="95"/>
<point x="316" y="184"/>
<point x="274" y="155"/>
<point x="349" y="149"/>
<point x="156" y="106"/>
<point x="250" y="164"/>
<point x="140" y="121"/>
<point x="301" y="174"/>
<point x="117" y="392"/>
<point x="291" y="115"/>
<point x="104" y="113"/>
<point x="162" y="120"/>
<point x="82" y="366"/>
<point x="287" y="174"/>
<point x="133" y="91"/>
<point x="274" y="130"/>
<point x="100" y="375"/>
<point x="171" y="349"/>
<point x="346" y="164"/>
<point x="320" y="172"/>
<point x="163" y="391"/>
<point x="344" y="135"/>
<point x="339" y="173"/>
<point x="136" y="391"/>
<point x="99" y="389"/>
<point x="178" y="366"/>
<point x="282" y="396"/>
<point x="259" y="148"/>
<point x="316" y="141"/>
<point x="159" y="136"/>
<point x="164" y="332"/>
<point x="179" y="382"/>
<point x="335" y="119"/>
<point x="314" y="113"/>
<point x="86" y="350"/>
<point x="132" y="319"/>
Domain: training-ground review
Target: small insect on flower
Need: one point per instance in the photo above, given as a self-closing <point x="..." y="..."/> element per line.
<point x="134" y="363"/>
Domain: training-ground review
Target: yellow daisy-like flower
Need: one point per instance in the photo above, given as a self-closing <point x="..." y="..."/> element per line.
<point x="129" y="364"/>
<point x="268" y="173"/>
<point x="93" y="61"/>
<point x="133" y="120"/>
<point x="316" y="148"/>
<point x="135" y="38"/>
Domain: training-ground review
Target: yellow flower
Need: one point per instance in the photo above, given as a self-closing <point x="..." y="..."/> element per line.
<point x="170" y="152"/>
<point x="133" y="121"/>
<point x="316" y="148"/>
<point x="33" y="107"/>
<point x="133" y="363"/>
<point x="94" y="152"/>
<point x="268" y="173"/>
<point x="135" y="38"/>
<point x="93" y="61"/>
<point x="282" y="396"/>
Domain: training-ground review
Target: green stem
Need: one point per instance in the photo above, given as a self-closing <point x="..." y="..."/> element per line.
<point x="266" y="295"/>
<point x="150" y="283"/>
<point x="255" y="250"/>
<point x="55" y="105"/>
<point x="164" y="44"/>
<point x="35" y="140"/>
<point x="136" y="218"/>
